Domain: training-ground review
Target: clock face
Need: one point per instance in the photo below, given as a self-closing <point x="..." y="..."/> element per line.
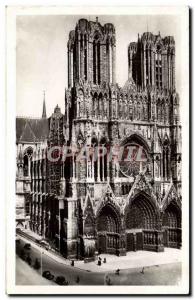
<point x="133" y="160"/>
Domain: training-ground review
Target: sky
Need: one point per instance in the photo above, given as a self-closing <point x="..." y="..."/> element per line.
<point x="41" y="54"/>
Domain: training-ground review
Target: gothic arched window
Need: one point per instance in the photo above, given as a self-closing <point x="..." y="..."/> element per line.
<point x="138" y="111"/>
<point x="159" y="110"/>
<point x="147" y="64"/>
<point x="158" y="66"/>
<point x="103" y="160"/>
<point x="27" y="161"/>
<point x="105" y="105"/>
<point x="94" y="144"/>
<point x="166" y="160"/>
<point x="85" y="56"/>
<point x="100" y="105"/>
<point x="96" y="60"/>
<point x="166" y="112"/>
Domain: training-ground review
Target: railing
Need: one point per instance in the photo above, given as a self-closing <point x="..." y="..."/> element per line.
<point x="172" y="237"/>
<point x="153" y="240"/>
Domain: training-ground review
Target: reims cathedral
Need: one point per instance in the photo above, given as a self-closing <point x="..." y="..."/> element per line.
<point x="87" y="204"/>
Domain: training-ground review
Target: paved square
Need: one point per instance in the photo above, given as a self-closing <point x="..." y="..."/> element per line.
<point x="132" y="260"/>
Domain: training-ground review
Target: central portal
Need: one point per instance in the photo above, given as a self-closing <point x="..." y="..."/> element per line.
<point x="108" y="230"/>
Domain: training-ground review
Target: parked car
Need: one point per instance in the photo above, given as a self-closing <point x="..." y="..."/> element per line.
<point x="37" y="264"/>
<point x="48" y="275"/>
<point x="61" y="280"/>
<point x="22" y="255"/>
<point x="17" y="241"/>
<point x="27" y="246"/>
<point x="45" y="244"/>
<point x="29" y="260"/>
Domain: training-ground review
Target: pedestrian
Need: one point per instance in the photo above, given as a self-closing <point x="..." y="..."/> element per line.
<point x="99" y="261"/>
<point x="117" y="272"/>
<point x="142" y="271"/>
<point x="29" y="260"/>
<point x="104" y="261"/>
<point x="77" y="279"/>
<point x="108" y="280"/>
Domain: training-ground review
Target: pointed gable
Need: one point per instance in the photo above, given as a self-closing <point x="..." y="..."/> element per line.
<point x="142" y="185"/>
<point x="171" y="195"/>
<point x="88" y="207"/>
<point x="107" y="197"/>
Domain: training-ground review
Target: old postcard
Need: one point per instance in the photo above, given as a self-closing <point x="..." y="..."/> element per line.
<point x="98" y="150"/>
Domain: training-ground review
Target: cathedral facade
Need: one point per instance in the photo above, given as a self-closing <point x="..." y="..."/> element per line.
<point x="105" y="175"/>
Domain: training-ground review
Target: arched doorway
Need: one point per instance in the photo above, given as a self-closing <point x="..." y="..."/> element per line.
<point x="171" y="222"/>
<point x="141" y="222"/>
<point x="141" y="214"/>
<point x="108" y="230"/>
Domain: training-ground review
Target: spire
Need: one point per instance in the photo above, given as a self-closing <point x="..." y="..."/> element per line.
<point x="44" y="116"/>
<point x="147" y="24"/>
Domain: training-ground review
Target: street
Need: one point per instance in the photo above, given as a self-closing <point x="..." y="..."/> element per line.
<point x="166" y="274"/>
<point x="58" y="269"/>
<point x="33" y="277"/>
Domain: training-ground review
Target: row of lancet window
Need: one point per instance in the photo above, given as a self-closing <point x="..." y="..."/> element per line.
<point x="97" y="60"/>
<point x="96" y="169"/>
<point x="158" y="68"/>
<point x="36" y="169"/>
<point x="163" y="112"/>
<point x="38" y="173"/>
<point x="122" y="108"/>
<point x="157" y="60"/>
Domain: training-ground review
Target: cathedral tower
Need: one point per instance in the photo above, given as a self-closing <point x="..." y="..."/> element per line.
<point x="152" y="61"/>
<point x="91" y="53"/>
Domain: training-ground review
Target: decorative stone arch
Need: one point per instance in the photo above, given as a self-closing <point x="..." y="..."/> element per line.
<point x="137" y="138"/>
<point x="108" y="227"/>
<point x="171" y="225"/>
<point x="110" y="210"/>
<point x="141" y="212"/>
<point x="108" y="219"/>
<point x="132" y="163"/>
<point x="171" y="215"/>
<point x="28" y="151"/>
<point x="108" y="197"/>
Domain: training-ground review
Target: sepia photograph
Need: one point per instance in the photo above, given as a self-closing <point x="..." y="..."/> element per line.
<point x="100" y="145"/>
